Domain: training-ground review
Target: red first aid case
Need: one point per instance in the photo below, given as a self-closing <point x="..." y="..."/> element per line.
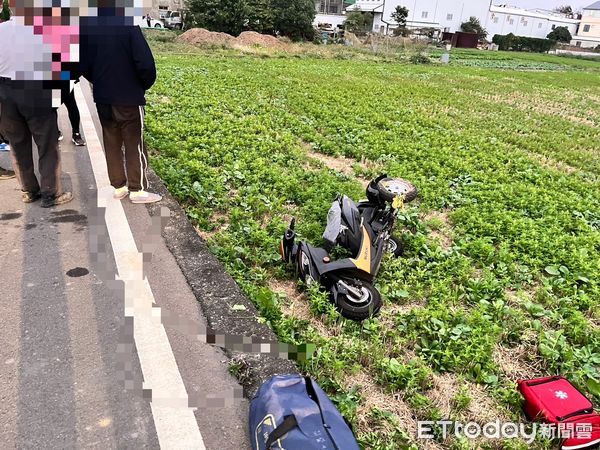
<point x="556" y="400"/>
<point x="553" y="399"/>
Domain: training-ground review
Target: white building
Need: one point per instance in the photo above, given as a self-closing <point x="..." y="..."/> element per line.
<point x="521" y="22"/>
<point x="448" y="15"/>
<point x="331" y="12"/>
<point x="588" y="34"/>
<point x="439" y="14"/>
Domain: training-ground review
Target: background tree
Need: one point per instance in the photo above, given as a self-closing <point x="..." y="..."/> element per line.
<point x="5" y="13"/>
<point x="227" y="16"/>
<point x="261" y="17"/>
<point x="358" y="22"/>
<point x="560" y="34"/>
<point x="399" y="15"/>
<point x="294" y="18"/>
<point x="474" y="26"/>
<point x="564" y="9"/>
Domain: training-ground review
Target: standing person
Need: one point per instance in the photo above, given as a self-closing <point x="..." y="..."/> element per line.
<point x="28" y="112"/>
<point x="5" y="174"/>
<point x="74" y="118"/>
<point x="149" y="20"/>
<point x="117" y="60"/>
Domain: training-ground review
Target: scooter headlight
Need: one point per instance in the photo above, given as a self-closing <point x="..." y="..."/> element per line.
<point x="304" y="268"/>
<point x="305" y="261"/>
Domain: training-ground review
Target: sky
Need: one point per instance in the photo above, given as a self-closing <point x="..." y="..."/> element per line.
<point x="545" y="4"/>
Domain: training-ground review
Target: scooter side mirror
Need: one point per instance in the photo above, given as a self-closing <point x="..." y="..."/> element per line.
<point x="286" y="247"/>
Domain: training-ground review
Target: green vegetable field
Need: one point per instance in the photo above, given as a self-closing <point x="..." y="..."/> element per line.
<point x="501" y="275"/>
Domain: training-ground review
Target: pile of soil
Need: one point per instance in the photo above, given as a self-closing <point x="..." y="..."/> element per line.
<point x="200" y="36"/>
<point x="252" y="38"/>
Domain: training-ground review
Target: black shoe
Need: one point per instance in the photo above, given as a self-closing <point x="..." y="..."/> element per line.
<point x="60" y="136"/>
<point x="48" y="202"/>
<point x="30" y="197"/>
<point x="78" y="140"/>
<point x="6" y="174"/>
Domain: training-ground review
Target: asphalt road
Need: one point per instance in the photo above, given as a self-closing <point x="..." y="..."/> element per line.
<point x="69" y="369"/>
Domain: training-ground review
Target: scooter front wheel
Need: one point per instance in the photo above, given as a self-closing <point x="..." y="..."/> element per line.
<point x="358" y="303"/>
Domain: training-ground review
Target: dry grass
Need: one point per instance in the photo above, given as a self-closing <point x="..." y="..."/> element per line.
<point x="527" y="292"/>
<point x="481" y="409"/>
<point x="445" y="387"/>
<point x="552" y="164"/>
<point x="297" y="305"/>
<point x="390" y="312"/>
<point x="375" y="397"/>
<point x="518" y="362"/>
<point x="221" y="223"/>
<point x="339" y="164"/>
<point x="442" y="232"/>
<point x="539" y="105"/>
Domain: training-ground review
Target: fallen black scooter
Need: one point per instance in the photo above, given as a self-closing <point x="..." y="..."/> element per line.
<point x="349" y="281"/>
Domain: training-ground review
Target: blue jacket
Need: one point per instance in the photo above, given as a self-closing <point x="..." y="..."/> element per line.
<point x="117" y="60"/>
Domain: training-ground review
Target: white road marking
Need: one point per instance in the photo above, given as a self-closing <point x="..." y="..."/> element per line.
<point x="175" y="422"/>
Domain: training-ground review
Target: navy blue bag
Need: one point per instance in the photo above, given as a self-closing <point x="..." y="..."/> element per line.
<point x="291" y="412"/>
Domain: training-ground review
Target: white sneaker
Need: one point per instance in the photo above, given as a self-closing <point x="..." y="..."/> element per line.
<point x="121" y="193"/>
<point x="144" y="197"/>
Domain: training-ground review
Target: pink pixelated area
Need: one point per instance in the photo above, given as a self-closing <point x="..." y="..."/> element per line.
<point x="55" y="28"/>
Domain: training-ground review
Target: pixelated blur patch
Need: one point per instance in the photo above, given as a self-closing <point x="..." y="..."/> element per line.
<point x="10" y="216"/>
<point x="302" y="352"/>
<point x="77" y="272"/>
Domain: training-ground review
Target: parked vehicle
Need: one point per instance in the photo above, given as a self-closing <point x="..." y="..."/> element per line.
<point x="174" y="20"/>
<point x="143" y="23"/>
<point x="366" y="233"/>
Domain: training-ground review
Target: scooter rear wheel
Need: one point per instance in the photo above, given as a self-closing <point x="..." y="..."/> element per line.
<point x="359" y="308"/>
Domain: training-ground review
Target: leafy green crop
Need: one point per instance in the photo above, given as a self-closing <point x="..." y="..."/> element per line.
<point x="501" y="253"/>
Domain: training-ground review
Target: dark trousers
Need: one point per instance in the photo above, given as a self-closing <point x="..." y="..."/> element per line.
<point x="73" y="111"/>
<point x="20" y="122"/>
<point x="123" y="126"/>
